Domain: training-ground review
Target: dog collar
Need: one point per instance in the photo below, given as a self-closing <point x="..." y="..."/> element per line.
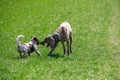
<point x="58" y="36"/>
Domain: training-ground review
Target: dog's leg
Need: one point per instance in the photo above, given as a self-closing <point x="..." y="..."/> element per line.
<point x="38" y="53"/>
<point x="20" y="54"/>
<point x="52" y="49"/>
<point x="29" y="54"/>
<point x="24" y="55"/>
<point x="49" y="54"/>
<point x="70" y="44"/>
<point x="68" y="47"/>
<point x="64" y="48"/>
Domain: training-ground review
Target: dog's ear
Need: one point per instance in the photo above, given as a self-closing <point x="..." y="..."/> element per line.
<point x="51" y="42"/>
<point x="36" y="40"/>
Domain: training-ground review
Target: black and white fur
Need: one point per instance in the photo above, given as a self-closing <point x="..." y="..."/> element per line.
<point x="27" y="48"/>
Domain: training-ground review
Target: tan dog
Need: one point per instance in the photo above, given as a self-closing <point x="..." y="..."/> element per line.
<point x="63" y="33"/>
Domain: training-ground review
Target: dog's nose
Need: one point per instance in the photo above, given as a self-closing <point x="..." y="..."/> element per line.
<point x="41" y="43"/>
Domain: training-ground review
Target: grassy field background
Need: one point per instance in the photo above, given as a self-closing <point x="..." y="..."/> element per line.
<point x="96" y="39"/>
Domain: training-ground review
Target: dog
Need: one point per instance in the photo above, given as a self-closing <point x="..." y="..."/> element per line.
<point x="62" y="34"/>
<point x="27" y="48"/>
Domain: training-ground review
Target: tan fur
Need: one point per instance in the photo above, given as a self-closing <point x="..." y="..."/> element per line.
<point x="63" y="34"/>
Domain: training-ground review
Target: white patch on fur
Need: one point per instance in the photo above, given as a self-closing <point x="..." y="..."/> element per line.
<point x="19" y="38"/>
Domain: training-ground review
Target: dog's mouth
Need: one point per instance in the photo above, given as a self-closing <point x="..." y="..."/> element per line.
<point x="45" y="44"/>
<point x="42" y="43"/>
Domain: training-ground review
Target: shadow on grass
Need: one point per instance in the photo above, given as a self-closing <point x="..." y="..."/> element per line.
<point x="55" y="55"/>
<point x="17" y="57"/>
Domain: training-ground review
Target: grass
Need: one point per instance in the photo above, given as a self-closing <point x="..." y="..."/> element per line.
<point x="96" y="39"/>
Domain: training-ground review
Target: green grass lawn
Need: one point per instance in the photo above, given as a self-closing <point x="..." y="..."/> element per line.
<point x="96" y="39"/>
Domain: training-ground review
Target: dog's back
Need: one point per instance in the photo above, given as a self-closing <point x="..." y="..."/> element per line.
<point x="21" y="46"/>
<point x="64" y="30"/>
<point x="66" y="25"/>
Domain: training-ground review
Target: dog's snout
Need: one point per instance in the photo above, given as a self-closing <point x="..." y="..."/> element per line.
<point x="42" y="43"/>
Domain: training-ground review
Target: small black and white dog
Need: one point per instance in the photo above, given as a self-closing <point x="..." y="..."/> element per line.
<point x="27" y="48"/>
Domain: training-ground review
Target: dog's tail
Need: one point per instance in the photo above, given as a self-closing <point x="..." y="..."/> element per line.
<point x="18" y="39"/>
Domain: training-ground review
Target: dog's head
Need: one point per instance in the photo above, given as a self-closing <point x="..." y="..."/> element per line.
<point x="49" y="40"/>
<point x="35" y="40"/>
